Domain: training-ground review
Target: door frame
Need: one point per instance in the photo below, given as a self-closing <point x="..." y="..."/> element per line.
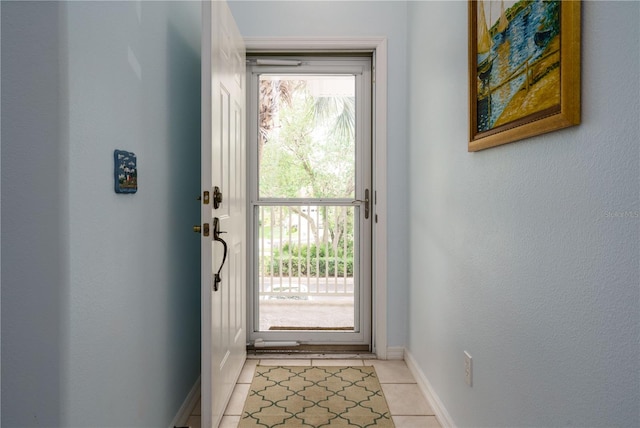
<point x="378" y="47"/>
<point x="359" y="69"/>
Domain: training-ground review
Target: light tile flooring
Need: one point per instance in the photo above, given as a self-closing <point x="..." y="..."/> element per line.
<point x="409" y="408"/>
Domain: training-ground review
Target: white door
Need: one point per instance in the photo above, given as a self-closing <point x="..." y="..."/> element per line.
<point x="223" y="209"/>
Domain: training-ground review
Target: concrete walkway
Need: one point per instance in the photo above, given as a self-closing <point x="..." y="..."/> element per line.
<point x="306" y="313"/>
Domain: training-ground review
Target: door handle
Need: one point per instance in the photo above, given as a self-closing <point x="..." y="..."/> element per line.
<point x="216" y="237"/>
<point x="365" y="201"/>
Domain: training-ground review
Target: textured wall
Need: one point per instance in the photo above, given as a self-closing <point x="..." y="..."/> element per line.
<point x="101" y="307"/>
<point x="34" y="216"/>
<point x="516" y="253"/>
<point x="358" y="19"/>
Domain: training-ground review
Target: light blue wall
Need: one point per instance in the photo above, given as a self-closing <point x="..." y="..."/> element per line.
<point x="358" y="19"/>
<point x="100" y="292"/>
<point x="511" y="253"/>
<point x="515" y="256"/>
<point x="34" y="217"/>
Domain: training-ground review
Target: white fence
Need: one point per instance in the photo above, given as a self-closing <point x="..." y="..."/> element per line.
<point x="306" y="252"/>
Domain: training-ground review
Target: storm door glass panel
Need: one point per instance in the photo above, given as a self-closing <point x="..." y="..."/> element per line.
<point x="306" y="277"/>
<point x="306" y="141"/>
<point x="306" y="220"/>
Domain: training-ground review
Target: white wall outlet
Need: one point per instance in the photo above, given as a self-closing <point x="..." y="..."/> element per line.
<point x="468" y="369"/>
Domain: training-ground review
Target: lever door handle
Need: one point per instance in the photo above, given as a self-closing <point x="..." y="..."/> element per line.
<point x="216" y="237"/>
<point x="365" y="201"/>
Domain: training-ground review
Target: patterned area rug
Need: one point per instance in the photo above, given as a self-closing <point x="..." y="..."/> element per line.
<point x="314" y="397"/>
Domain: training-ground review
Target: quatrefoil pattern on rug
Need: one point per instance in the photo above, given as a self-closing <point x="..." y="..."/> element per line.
<point x="315" y="397"/>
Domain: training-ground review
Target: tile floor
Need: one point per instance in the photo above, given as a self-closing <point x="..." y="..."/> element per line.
<point x="409" y="408"/>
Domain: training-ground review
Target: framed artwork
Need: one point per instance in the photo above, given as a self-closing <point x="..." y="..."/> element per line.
<point x="125" y="172"/>
<point x="524" y="69"/>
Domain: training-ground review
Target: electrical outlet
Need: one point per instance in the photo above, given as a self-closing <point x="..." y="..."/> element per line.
<point x="468" y="369"/>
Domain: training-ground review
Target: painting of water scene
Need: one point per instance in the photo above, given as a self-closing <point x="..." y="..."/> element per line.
<point x="516" y="63"/>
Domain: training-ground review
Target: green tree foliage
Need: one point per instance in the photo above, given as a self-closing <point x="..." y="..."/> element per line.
<point x="308" y="151"/>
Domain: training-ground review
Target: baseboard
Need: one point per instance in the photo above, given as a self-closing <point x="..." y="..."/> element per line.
<point x="188" y="405"/>
<point x="395" y="353"/>
<point x="440" y="411"/>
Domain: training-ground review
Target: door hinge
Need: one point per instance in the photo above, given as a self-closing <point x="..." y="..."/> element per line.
<point x="205" y="197"/>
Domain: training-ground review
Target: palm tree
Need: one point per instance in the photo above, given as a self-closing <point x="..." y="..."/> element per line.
<point x="273" y="95"/>
<point x="339" y="113"/>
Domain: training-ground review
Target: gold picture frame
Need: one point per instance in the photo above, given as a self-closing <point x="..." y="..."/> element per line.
<point x="524" y="69"/>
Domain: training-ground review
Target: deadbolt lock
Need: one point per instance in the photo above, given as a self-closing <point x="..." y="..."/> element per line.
<point x="204" y="229"/>
<point x="217" y="197"/>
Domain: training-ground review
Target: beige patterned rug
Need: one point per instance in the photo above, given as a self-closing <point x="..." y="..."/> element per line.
<point x="314" y="397"/>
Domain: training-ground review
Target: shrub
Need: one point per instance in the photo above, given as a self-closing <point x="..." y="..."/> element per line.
<point x="291" y="260"/>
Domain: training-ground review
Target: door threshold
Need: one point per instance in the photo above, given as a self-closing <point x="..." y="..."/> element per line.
<point x="294" y="328"/>
<point x="304" y="351"/>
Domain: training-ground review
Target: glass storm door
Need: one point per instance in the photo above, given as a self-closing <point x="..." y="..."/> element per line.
<point x="310" y="144"/>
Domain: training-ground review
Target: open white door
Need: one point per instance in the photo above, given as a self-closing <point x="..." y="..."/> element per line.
<point x="223" y="209"/>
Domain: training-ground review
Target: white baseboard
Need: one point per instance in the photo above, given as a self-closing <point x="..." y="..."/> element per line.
<point x="440" y="411"/>
<point x="395" y="353"/>
<point x="188" y="405"/>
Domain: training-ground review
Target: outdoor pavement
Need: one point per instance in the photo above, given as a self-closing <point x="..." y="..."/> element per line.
<point x="317" y="312"/>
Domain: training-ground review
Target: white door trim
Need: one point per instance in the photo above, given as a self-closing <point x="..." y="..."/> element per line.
<point x="377" y="45"/>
